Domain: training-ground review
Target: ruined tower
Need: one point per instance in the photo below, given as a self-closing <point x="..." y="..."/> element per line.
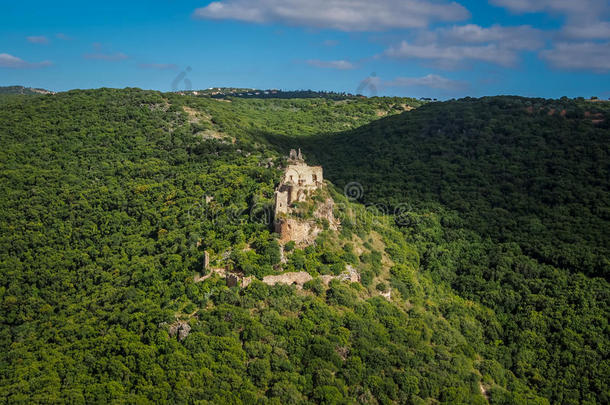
<point x="298" y="184"/>
<point x="299" y="181"/>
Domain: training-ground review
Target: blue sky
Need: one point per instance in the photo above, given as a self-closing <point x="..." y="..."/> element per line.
<point x="419" y="48"/>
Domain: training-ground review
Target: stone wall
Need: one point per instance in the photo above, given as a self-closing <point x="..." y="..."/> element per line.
<point x="281" y="202"/>
<point x="301" y="232"/>
<point x="296" y="278"/>
<point x="303" y="175"/>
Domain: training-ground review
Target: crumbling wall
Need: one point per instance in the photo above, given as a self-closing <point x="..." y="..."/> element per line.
<point x="281" y="202"/>
<point x="295" y="278"/>
<point x="303" y="175"/>
<point x="301" y="232"/>
<point x="233" y="280"/>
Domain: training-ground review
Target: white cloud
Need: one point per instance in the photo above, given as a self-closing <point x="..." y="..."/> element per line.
<point x="332" y="64"/>
<point x="13" y="62"/>
<point x="579" y="56"/>
<point x="557" y="6"/>
<point x="344" y="15"/>
<point x="432" y="81"/>
<point x="40" y="39"/>
<point x="450" y="55"/>
<point x="591" y="30"/>
<point x="450" y="46"/>
<point x="110" y="57"/>
<point x="585" y="19"/>
<point x="519" y="37"/>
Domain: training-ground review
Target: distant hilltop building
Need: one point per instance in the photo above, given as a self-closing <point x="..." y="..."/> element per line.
<point x="299" y="181"/>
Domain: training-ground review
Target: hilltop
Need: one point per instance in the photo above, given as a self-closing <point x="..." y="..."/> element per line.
<point x="23" y="90"/>
<point x="234" y="92"/>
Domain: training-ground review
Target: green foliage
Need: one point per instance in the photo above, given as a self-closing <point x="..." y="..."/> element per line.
<point x="381" y="287"/>
<point x="108" y="199"/>
<point x="507" y="200"/>
<point x="315" y="285"/>
<point x="530" y="171"/>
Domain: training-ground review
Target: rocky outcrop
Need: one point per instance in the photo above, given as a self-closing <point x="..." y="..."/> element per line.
<point x="246" y="281"/>
<point x="180" y="329"/>
<point x="325" y="211"/>
<point x="387" y="295"/>
<point x="349" y="275"/>
<point x="300" y="231"/>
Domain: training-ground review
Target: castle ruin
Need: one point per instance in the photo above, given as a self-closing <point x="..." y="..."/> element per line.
<point x="299" y="181"/>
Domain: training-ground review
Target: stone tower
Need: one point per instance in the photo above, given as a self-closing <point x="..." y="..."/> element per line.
<point x="298" y="182"/>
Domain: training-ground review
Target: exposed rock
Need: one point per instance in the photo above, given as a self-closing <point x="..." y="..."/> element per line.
<point x="483" y="391"/>
<point x="299" y="231"/>
<point x="350" y="275"/>
<point x="283" y="258"/>
<point x="246" y="281"/>
<point x="325" y="211"/>
<point x="181" y="329"/>
<point x="343" y="352"/>
<point x="326" y="278"/>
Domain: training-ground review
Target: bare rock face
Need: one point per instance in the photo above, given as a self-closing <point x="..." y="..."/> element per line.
<point x="387" y="295"/>
<point x="246" y="281"/>
<point x="325" y="211"/>
<point x="301" y="232"/>
<point x="181" y="329"/>
<point x="349" y="275"/>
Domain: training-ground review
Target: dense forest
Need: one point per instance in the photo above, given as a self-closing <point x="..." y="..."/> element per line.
<point x="486" y="218"/>
<point x="531" y="171"/>
<point x="521" y="188"/>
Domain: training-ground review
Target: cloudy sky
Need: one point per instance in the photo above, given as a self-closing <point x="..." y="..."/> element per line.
<point x="420" y="48"/>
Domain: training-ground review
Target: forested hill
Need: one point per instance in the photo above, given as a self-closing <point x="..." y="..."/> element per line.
<point x="109" y="198"/>
<point x="22" y="90"/>
<point x="522" y="189"/>
<point x="531" y="171"/>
